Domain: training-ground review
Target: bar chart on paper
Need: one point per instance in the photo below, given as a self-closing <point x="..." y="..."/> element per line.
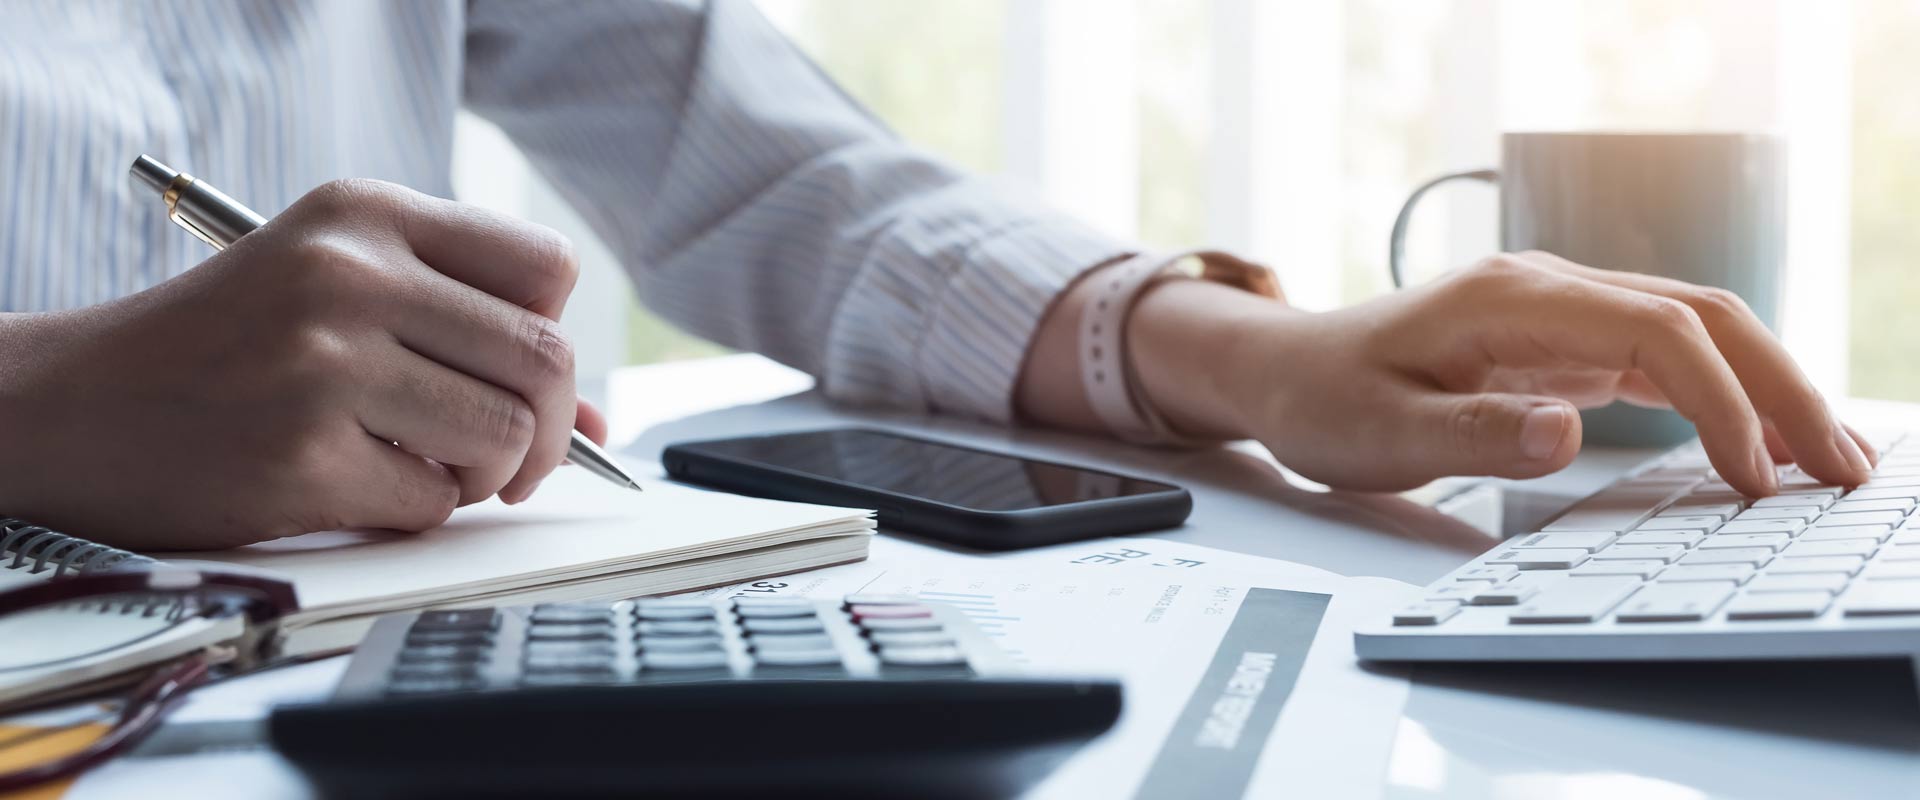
<point x="985" y="612"/>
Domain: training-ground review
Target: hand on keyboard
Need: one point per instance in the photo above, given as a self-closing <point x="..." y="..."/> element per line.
<point x="1481" y="373"/>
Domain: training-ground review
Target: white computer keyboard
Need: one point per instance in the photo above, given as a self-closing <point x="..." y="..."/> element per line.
<point x="1671" y="563"/>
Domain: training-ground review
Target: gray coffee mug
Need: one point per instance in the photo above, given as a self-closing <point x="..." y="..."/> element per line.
<point x="1706" y="208"/>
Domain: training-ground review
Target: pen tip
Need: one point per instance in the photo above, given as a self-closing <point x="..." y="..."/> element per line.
<point x="634" y="486"/>
<point x="153" y="173"/>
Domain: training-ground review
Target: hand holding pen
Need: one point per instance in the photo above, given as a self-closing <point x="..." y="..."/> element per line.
<point x="373" y="358"/>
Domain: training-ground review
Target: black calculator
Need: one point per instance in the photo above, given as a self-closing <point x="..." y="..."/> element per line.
<point x="866" y="695"/>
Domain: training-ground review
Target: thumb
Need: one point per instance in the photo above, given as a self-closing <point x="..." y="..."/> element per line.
<point x="1502" y="435"/>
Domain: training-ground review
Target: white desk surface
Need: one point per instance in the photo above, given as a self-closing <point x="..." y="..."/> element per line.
<point x="1539" y="731"/>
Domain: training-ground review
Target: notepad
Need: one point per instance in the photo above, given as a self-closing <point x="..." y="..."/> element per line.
<point x="577" y="539"/>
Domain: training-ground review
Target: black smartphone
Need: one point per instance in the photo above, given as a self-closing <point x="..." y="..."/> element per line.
<point x="943" y="491"/>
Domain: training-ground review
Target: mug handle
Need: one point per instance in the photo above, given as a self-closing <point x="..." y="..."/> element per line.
<point x="1397" y="243"/>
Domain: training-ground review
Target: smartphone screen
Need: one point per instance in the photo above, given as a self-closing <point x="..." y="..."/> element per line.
<point x="932" y="471"/>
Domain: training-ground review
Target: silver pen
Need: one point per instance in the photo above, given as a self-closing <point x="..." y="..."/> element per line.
<point x="220" y="220"/>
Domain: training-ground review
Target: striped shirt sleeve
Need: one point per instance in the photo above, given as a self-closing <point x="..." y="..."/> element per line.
<point x="755" y="204"/>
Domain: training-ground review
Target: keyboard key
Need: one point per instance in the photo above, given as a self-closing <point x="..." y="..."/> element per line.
<point x="1829" y="582"/>
<point x="1884" y="493"/>
<point x="1754" y="556"/>
<point x="1643" y="568"/>
<point x="1577" y="541"/>
<point x="1836" y="547"/>
<point x="1846" y="565"/>
<point x="1719" y="511"/>
<point x="1785" y="526"/>
<point x="1486" y="572"/>
<point x="1882" y="599"/>
<point x="419" y="686"/>
<point x="1702" y="499"/>
<point x="1862" y="518"/>
<point x="1900" y="552"/>
<point x="1454" y="592"/>
<point x="1574" y="600"/>
<point x="1891" y="570"/>
<point x="1505" y="594"/>
<point x="1778" y="605"/>
<point x="1816" y="500"/>
<point x="659" y="660"/>
<point x="1426" y="613"/>
<point x="672" y="608"/>
<point x="1853" y="506"/>
<point x="1910" y="477"/>
<point x="1734" y="573"/>
<point x="1682" y="538"/>
<point x="1614" y="510"/>
<point x="461" y="638"/>
<point x="1878" y="533"/>
<point x="1539" y="559"/>
<point x="1795" y="513"/>
<point x="1665" y="553"/>
<point x="1675" y="602"/>
<point x="1681" y="523"/>
<point x="1771" y="541"/>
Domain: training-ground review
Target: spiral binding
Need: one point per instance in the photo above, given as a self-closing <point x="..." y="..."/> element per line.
<point x="36" y="549"/>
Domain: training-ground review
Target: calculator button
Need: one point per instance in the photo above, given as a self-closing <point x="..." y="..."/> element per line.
<point x="921" y="656"/>
<point x="569" y="633"/>
<point x="678" y="627"/>
<point x="434" y="685"/>
<point x="679" y="644"/>
<point x="905" y="624"/>
<point x="783" y="625"/>
<point x="809" y="641"/>
<point x="665" y="609"/>
<point x="674" y="661"/>
<point x="456" y="638"/>
<point x="459" y="619"/>
<point x="569" y="662"/>
<point x="911" y="638"/>
<point x="444" y="653"/>
<point x="889" y="612"/>
<point x="439" y="671"/>
<point x="566" y="614"/>
<point x="579" y="678"/>
<point x="599" y="649"/>
<point x="773" y="607"/>
<point x="798" y="658"/>
<point x="873" y="599"/>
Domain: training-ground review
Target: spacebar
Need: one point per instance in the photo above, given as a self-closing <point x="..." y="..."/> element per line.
<point x="1615" y="511"/>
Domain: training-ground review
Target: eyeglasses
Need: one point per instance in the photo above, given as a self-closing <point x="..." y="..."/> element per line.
<point x="258" y="599"/>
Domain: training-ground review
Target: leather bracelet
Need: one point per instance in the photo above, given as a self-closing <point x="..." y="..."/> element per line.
<point x="1112" y="389"/>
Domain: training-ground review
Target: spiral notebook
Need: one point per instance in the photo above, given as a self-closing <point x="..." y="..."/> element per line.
<point x="577" y="539"/>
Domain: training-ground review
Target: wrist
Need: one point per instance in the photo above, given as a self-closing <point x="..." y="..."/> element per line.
<point x="27" y="341"/>
<point x="1199" y="351"/>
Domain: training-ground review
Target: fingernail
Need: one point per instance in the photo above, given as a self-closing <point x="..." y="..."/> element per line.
<point x="1541" y="431"/>
<point x="1850" y="450"/>
<point x="1769" y="474"/>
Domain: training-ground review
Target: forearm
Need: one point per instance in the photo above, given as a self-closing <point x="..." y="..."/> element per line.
<point x="1187" y="343"/>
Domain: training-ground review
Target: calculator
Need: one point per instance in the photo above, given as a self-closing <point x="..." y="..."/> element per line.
<point x="858" y="695"/>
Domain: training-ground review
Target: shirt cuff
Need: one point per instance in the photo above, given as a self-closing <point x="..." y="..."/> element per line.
<point x="946" y="307"/>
